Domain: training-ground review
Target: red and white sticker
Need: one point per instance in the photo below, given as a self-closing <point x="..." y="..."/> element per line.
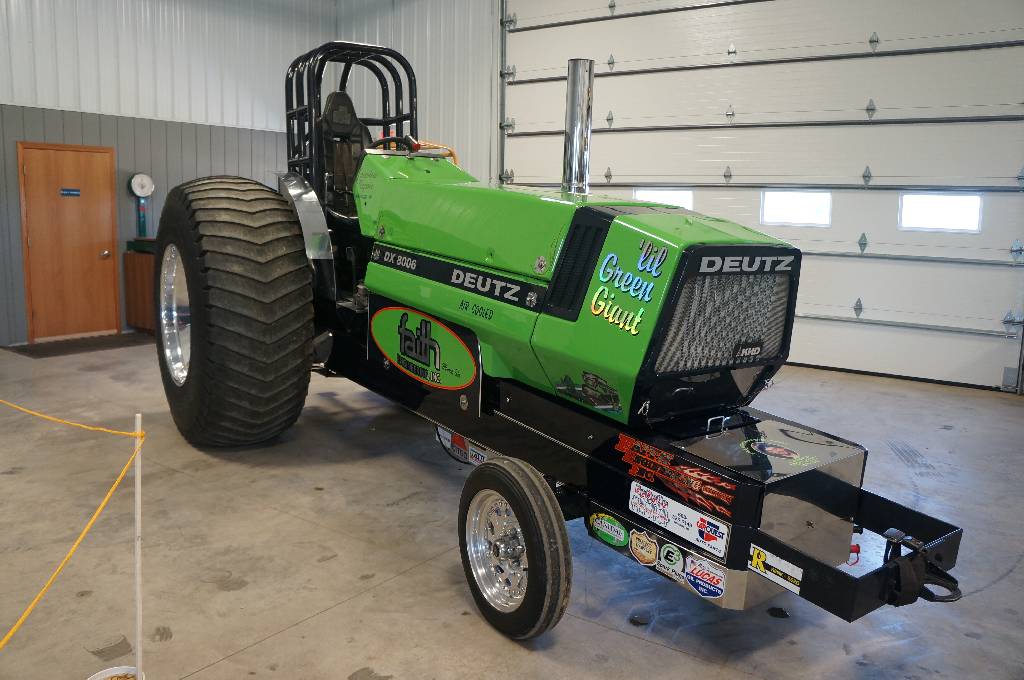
<point x="702" y="530"/>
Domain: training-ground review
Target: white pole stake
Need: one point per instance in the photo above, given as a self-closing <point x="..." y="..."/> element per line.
<point x="138" y="554"/>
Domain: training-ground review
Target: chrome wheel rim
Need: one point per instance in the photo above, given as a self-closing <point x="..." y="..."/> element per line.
<point x="497" y="550"/>
<point x="175" y="315"/>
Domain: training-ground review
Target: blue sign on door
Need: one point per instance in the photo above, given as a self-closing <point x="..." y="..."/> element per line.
<point x="70" y="192"/>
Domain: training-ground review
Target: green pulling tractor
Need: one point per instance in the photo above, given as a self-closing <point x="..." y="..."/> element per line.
<point x="595" y="357"/>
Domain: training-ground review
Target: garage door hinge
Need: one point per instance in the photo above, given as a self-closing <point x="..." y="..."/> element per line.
<point x="1017" y="250"/>
<point x="508" y="73"/>
<point x="870" y="109"/>
<point x="1020" y="177"/>
<point x="858" y="308"/>
<point x="866" y="175"/>
<point x="863" y="243"/>
<point x="873" y="41"/>
<point x="611" y="62"/>
<point x="507" y="176"/>
<point x="611" y="6"/>
<point x="608" y="174"/>
<point x="508" y="125"/>
<point x="610" y="118"/>
<point x="727" y="174"/>
<point x="1012" y="319"/>
<point x="509" y="22"/>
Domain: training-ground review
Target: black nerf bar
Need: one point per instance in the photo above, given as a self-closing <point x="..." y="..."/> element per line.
<point x="934" y="545"/>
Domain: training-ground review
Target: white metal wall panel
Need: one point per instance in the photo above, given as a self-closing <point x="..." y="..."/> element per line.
<point x="543" y="12"/>
<point x="452" y="45"/>
<point x="797" y="82"/>
<point x="950" y="357"/>
<point x="875" y="214"/>
<point x="219" y="62"/>
<point x="764" y="30"/>
<point x="918" y="86"/>
<point x="964" y="154"/>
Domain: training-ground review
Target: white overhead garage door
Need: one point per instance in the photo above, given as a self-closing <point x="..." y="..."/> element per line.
<point x="885" y="139"/>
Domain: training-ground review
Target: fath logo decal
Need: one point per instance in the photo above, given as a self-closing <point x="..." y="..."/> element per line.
<point x="423" y="348"/>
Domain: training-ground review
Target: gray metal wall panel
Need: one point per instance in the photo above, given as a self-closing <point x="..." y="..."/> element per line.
<point x="14" y="129"/>
<point x="34" y="128"/>
<point x="231" y="151"/>
<point x="188" y="151"/>
<point x="72" y="127"/>
<point x="204" y="166"/>
<point x="171" y="152"/>
<point x="175" y="175"/>
<point x="53" y="126"/>
<point x="158" y="166"/>
<point x="91" y="134"/>
<point x="218" y="166"/>
<point x="6" y="285"/>
<point x="245" y="153"/>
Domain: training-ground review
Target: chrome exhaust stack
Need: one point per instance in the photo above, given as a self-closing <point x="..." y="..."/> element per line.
<point x="578" y="113"/>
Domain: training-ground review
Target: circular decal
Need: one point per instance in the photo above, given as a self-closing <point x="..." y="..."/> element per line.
<point x="609" y="530"/>
<point x="766" y="447"/>
<point x="423" y="348"/>
<point x="769" y="448"/>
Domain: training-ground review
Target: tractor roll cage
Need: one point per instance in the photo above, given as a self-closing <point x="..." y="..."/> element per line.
<point x="303" y="105"/>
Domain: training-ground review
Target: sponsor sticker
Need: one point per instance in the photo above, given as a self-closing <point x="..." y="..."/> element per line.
<point x="594" y="391"/>
<point x="765" y="447"/>
<point x="671" y="560"/>
<point x="423" y="348"/>
<point x="775" y="569"/>
<point x="706" y="532"/>
<point x="609" y="530"/>
<point x="461" y="448"/>
<point x="694" y="485"/>
<point x="706" y="578"/>
<point x="644" y="547"/>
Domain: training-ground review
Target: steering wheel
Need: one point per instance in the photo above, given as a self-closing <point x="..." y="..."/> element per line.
<point x="410" y="144"/>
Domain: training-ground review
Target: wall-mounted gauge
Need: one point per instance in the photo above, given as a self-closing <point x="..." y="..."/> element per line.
<point x="141" y="185"/>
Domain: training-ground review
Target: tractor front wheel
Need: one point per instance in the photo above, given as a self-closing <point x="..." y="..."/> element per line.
<point x="234" y="311"/>
<point x="515" y="548"/>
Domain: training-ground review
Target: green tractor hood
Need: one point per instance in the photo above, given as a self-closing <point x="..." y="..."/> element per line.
<point x="576" y="295"/>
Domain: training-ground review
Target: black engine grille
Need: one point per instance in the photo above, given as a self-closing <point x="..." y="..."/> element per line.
<point x="720" y="317"/>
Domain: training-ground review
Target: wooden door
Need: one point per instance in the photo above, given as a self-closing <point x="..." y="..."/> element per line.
<point x="69" y="237"/>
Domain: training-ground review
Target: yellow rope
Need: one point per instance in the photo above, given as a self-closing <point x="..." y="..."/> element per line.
<point x="140" y="437"/>
<point x="93" y="428"/>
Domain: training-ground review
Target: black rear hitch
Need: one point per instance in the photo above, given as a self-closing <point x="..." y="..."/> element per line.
<point x="911" y="574"/>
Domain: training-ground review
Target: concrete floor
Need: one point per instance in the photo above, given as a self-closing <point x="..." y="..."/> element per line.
<point x="333" y="554"/>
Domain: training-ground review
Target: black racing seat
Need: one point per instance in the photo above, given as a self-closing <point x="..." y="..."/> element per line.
<point x="345" y="139"/>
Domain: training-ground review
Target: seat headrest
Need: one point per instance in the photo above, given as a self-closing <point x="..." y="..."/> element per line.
<point x="340" y="113"/>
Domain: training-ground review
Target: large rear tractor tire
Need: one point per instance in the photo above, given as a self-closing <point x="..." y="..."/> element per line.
<point x="234" y="311"/>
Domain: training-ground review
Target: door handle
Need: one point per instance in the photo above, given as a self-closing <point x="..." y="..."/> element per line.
<point x="105" y="254"/>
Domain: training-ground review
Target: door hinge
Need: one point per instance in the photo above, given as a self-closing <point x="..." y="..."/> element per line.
<point x="24" y="169"/>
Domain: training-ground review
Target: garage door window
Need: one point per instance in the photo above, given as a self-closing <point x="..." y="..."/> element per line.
<point x="940" y="212"/>
<point x="682" y="198"/>
<point x="796" y="208"/>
